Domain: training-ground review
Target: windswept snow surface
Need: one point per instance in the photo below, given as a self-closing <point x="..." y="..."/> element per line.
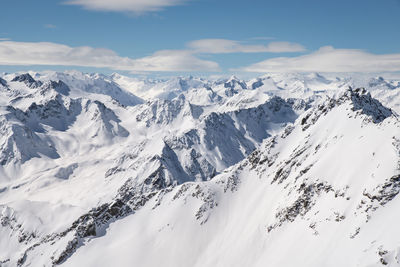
<point x="102" y="170"/>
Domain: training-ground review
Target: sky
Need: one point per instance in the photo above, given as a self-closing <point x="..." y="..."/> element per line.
<point x="200" y="37"/>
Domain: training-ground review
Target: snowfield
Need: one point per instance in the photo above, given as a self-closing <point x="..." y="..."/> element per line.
<point x="280" y="170"/>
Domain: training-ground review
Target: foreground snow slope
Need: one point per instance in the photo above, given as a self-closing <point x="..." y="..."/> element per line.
<point x="87" y="159"/>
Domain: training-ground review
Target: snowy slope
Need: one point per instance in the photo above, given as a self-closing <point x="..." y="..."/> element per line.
<point x="323" y="192"/>
<point x="87" y="158"/>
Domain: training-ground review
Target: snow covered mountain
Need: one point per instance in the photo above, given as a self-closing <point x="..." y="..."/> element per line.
<point x="100" y="171"/>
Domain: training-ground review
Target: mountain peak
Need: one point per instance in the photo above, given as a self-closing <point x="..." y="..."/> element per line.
<point x="27" y="79"/>
<point x="58" y="86"/>
<point x="363" y="102"/>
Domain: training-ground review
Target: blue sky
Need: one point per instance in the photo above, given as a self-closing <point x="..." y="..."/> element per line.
<point x="200" y="36"/>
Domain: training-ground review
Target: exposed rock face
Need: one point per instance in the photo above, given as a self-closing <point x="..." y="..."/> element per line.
<point x="3" y="82"/>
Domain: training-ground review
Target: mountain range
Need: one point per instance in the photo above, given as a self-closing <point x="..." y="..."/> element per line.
<point x="280" y="170"/>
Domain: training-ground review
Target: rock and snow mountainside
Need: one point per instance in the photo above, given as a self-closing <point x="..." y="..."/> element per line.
<point x="101" y="171"/>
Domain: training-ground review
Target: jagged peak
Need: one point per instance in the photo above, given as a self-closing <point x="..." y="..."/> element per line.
<point x="233" y="81"/>
<point x="19" y="143"/>
<point x="23" y="77"/>
<point x="59" y="86"/>
<point x="360" y="101"/>
<point x="27" y="79"/>
<point x="164" y="111"/>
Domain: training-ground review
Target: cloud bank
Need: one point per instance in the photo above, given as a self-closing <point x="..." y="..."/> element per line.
<point x="222" y="46"/>
<point x="52" y="54"/>
<point x="135" y="6"/>
<point x="329" y="59"/>
<point x="326" y="59"/>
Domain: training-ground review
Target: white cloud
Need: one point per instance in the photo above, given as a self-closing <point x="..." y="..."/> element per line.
<point x="176" y="60"/>
<point x="329" y="59"/>
<point x="44" y="53"/>
<point x="4" y="39"/>
<point x="135" y="6"/>
<point x="220" y="46"/>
